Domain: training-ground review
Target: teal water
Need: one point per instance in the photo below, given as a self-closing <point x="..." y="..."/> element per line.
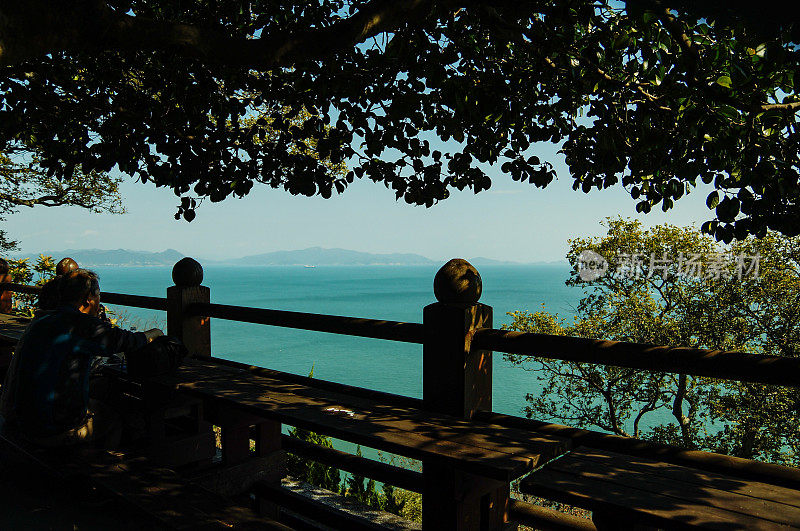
<point x="380" y="292"/>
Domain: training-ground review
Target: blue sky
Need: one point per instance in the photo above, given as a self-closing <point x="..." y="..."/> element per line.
<point x="511" y="221"/>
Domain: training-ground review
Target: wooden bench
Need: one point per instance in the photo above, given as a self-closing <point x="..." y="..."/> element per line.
<point x="485" y="450"/>
<point x="168" y="499"/>
<point x="174" y="431"/>
<point x="622" y="490"/>
<point x="467" y="465"/>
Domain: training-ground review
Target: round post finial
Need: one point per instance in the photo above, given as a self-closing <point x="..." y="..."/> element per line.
<point x="457" y="282"/>
<point x="187" y="272"/>
<point x="65" y="265"/>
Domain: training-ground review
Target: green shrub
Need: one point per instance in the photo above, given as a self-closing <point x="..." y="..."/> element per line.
<point x="355" y="487"/>
<point x="317" y="474"/>
<point x="22" y="272"/>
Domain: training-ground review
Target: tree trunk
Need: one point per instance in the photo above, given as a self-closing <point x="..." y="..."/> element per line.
<point x="677" y="411"/>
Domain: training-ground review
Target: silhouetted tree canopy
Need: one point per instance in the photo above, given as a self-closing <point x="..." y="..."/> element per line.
<point x="420" y="95"/>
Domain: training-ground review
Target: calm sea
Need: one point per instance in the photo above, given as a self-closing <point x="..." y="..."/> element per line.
<point x="379" y="292"/>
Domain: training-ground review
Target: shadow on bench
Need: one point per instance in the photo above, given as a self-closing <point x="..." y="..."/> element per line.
<point x="625" y="491"/>
<point x="169" y="500"/>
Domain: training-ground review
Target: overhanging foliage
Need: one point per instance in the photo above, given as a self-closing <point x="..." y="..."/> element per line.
<point x="655" y="100"/>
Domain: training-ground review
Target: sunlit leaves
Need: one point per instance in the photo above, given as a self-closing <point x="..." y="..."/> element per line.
<point x="23" y="182"/>
<point x="752" y="309"/>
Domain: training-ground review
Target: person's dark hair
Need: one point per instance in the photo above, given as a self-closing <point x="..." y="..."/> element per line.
<point x="77" y="286"/>
<point x="4" y="267"/>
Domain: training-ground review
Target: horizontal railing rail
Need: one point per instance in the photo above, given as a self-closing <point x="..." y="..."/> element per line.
<point x="539" y="517"/>
<point x="724" y="365"/>
<point x="727" y="365"/>
<point x="135" y="301"/>
<point x="312" y="509"/>
<point x="107" y="297"/>
<point x="384" y="472"/>
<point x="335" y="324"/>
<point x="20" y="288"/>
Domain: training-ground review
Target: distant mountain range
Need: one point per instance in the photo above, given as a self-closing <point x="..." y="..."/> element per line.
<point x="319" y="256"/>
<point x="314" y="256"/>
<point x="115" y="257"/>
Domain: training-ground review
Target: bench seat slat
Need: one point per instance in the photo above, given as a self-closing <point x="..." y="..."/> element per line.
<point x="664" y="494"/>
<point x="491" y="436"/>
<point x="474" y="447"/>
<point x="687" y="477"/>
<point x="418" y="445"/>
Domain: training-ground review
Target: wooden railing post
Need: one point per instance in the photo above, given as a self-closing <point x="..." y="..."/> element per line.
<point x="457" y="381"/>
<point x="194" y="331"/>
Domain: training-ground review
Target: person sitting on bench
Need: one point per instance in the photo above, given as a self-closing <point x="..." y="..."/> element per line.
<point x="49" y="297"/>
<point x="46" y="396"/>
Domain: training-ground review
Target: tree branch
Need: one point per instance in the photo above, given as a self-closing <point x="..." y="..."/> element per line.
<point x="34" y="28"/>
<point x="677" y="411"/>
<point x="46" y="200"/>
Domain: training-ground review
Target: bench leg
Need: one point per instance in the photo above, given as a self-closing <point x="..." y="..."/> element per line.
<point x="235" y="444"/>
<point x="268" y="441"/>
<point x="455" y="500"/>
<point x="236" y="440"/>
<point x="241" y="467"/>
<point x="268" y="437"/>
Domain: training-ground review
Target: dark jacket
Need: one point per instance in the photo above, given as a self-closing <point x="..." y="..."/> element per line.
<point x="48" y="296"/>
<point x="47" y="386"/>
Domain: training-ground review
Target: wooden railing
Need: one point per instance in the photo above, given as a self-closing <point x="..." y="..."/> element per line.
<point x="458" y="340"/>
<point x="121" y="299"/>
<point x="335" y="324"/>
<point x="724" y="365"/>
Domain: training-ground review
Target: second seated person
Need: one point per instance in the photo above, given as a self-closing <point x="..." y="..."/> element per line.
<point x="46" y="395"/>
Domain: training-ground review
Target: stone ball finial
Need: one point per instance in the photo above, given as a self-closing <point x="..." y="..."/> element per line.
<point x="187" y="272"/>
<point x="457" y="282"/>
<point x="65" y="265"/>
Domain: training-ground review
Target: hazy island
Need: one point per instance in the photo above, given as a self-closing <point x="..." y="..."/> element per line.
<point x="313" y="256"/>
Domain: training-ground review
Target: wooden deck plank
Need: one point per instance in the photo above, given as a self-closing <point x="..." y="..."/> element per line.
<point x="403" y="431"/>
<point x="650" y="491"/>
<point x="169" y="498"/>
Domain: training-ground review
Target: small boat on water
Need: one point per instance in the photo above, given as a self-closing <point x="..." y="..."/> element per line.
<point x="309" y="265"/>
